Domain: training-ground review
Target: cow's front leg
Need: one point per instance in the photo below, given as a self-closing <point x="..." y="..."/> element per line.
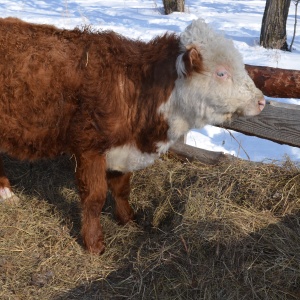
<point x="6" y="194"/>
<point x="91" y="176"/>
<point x="119" y="185"/>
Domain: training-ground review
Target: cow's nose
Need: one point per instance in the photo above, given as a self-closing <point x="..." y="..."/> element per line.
<point x="261" y="103"/>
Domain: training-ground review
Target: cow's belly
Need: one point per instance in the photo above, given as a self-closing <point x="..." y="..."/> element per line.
<point x="128" y="158"/>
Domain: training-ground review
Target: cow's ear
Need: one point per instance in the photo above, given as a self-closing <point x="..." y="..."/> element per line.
<point x="192" y="60"/>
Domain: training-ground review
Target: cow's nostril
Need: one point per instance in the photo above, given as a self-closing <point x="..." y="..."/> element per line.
<point x="261" y="103"/>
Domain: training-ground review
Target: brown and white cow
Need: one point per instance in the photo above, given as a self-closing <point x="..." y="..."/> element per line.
<point x="115" y="103"/>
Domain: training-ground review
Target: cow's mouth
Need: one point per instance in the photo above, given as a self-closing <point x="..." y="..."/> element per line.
<point x="229" y="117"/>
<point x="261" y="104"/>
<point x="238" y="113"/>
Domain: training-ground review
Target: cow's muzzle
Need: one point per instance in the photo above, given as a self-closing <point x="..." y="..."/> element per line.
<point x="261" y="103"/>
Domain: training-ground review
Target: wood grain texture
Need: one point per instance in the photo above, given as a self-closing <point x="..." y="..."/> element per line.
<point x="278" y="122"/>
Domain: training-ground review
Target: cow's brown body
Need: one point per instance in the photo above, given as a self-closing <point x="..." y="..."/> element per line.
<point x="72" y="91"/>
<point x="94" y="95"/>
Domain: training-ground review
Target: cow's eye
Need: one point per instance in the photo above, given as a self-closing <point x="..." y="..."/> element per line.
<point x="221" y="73"/>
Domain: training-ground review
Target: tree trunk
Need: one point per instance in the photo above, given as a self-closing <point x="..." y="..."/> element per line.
<point x="295" y="24"/>
<point x="275" y="82"/>
<point x="173" y="5"/>
<point x="273" y="28"/>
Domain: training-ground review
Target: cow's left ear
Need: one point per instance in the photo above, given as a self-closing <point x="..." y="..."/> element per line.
<point x="192" y="60"/>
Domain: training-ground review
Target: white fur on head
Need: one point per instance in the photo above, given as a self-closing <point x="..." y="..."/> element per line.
<point x="180" y="66"/>
<point x="205" y="97"/>
<point x="213" y="46"/>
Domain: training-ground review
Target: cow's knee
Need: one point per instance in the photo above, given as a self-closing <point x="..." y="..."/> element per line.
<point x="119" y="185"/>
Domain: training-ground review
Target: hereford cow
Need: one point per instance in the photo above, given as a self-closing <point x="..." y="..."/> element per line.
<point x="114" y="103"/>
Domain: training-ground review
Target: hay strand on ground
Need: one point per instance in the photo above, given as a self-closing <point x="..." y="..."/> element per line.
<point x="230" y="231"/>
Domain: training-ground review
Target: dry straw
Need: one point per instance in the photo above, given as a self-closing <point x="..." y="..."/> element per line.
<point x="230" y="231"/>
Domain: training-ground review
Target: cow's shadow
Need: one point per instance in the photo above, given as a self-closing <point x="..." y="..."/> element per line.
<point x="54" y="181"/>
<point x="51" y="180"/>
<point x="254" y="265"/>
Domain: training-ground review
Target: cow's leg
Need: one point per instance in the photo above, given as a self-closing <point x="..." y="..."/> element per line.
<point x="6" y="194"/>
<point x="119" y="185"/>
<point x="91" y="176"/>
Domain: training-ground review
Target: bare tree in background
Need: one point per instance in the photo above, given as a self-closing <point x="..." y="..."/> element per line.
<point x="173" y="5"/>
<point x="296" y="2"/>
<point x="273" y="28"/>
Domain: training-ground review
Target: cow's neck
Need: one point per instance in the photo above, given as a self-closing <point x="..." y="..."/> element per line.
<point x="159" y="76"/>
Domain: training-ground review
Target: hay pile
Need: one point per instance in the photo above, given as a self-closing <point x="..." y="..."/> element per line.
<point x="230" y="231"/>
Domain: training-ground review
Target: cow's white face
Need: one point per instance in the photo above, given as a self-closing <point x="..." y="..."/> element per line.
<point x="218" y="95"/>
<point x="212" y="86"/>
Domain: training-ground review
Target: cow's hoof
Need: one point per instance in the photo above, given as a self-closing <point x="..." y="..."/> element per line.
<point x="7" y="196"/>
<point x="97" y="249"/>
<point x="124" y="216"/>
<point x="94" y="244"/>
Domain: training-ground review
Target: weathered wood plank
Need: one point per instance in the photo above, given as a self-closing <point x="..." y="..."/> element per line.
<point x="278" y="122"/>
<point x="275" y="82"/>
<point x="191" y="153"/>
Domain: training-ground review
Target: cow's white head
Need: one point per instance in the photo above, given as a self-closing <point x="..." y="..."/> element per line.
<point x="213" y="85"/>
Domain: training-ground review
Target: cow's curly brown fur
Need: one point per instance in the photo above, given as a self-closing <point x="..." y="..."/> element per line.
<point x="83" y="92"/>
<point x="69" y="91"/>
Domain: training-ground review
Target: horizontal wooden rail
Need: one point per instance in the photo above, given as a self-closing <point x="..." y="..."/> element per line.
<point x="278" y="122"/>
<point x="191" y="153"/>
<point x="276" y="82"/>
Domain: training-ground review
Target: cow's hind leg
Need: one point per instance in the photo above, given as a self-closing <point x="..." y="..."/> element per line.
<point x="6" y="194"/>
<point x="119" y="185"/>
<point x="92" y="185"/>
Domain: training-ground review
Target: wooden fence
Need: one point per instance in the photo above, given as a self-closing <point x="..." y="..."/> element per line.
<point x="278" y="122"/>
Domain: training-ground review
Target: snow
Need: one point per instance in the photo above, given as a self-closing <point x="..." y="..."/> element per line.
<point x="143" y="19"/>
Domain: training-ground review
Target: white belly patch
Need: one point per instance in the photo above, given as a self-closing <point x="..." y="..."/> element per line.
<point x="128" y="158"/>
